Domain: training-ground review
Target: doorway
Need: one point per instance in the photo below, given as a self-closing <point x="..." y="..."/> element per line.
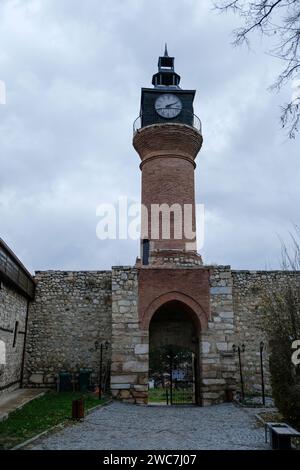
<point x="174" y="371"/>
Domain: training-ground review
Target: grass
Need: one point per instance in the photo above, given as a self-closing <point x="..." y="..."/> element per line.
<point x="41" y="414"/>
<point x="158" y="395"/>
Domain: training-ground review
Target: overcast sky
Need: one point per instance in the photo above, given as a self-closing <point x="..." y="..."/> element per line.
<point x="73" y="71"/>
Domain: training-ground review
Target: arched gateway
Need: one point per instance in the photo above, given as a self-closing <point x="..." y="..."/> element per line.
<point x="174" y="366"/>
<point x="162" y="308"/>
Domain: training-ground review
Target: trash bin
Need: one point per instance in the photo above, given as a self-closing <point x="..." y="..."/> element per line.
<point x="229" y="395"/>
<point x="84" y="379"/>
<point x="78" y="409"/>
<point x="65" y="382"/>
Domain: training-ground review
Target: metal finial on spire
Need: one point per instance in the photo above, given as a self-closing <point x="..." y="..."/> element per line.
<point x="166" y="51"/>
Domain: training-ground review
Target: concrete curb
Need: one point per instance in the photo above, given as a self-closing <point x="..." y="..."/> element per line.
<point x="58" y="427"/>
<point x="4" y="416"/>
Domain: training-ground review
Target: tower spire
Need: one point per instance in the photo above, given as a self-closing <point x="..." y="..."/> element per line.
<point x="166" y="75"/>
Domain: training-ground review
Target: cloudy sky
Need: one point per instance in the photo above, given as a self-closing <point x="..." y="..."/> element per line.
<point x="73" y="72"/>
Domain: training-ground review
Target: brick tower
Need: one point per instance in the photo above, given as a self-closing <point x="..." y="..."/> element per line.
<point x="172" y="320"/>
<point x="173" y="285"/>
<point x="167" y="138"/>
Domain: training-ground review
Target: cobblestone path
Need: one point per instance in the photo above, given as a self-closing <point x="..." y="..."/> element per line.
<point x="122" y="426"/>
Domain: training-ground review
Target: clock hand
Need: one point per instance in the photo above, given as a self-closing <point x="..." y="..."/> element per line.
<point x="171" y="104"/>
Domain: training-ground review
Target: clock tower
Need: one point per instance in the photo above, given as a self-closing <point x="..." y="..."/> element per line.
<point x="167" y="137"/>
<point x="166" y="101"/>
<point x="172" y="320"/>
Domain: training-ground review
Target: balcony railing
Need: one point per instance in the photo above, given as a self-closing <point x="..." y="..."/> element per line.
<point x="12" y="271"/>
<point x="184" y="117"/>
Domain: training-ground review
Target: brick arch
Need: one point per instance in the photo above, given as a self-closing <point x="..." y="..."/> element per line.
<point x="199" y="312"/>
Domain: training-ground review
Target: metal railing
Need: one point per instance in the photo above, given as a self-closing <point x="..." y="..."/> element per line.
<point x="184" y="117"/>
<point x="11" y="270"/>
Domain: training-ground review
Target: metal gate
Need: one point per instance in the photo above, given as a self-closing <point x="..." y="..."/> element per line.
<point x="172" y="376"/>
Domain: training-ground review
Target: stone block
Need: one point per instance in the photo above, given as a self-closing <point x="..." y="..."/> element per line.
<point x="141" y="349"/>
<point x="125" y="394"/>
<point x="205" y="347"/>
<point x="135" y="366"/>
<point x="120" y="386"/>
<point x="137" y="394"/>
<point x="36" y="378"/>
<point x="220" y="290"/>
<point x="141" y="388"/>
<point x="227" y="315"/>
<point x="213" y="382"/>
<point x="119" y="379"/>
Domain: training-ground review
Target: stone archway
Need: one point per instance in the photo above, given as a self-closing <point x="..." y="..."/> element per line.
<point x="198" y="314"/>
<point x="174" y="364"/>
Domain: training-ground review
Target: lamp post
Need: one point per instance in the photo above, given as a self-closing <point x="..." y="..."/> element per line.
<point x="261" y="347"/>
<point x="240" y="349"/>
<point x="100" y="346"/>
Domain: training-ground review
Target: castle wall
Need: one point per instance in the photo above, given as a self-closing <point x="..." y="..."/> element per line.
<point x="218" y="363"/>
<point x="70" y="312"/>
<point x="130" y="348"/>
<point x="13" y="308"/>
<point x="249" y="289"/>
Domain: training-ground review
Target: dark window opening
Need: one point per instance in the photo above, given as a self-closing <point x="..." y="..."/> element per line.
<point x="146" y="250"/>
<point x="15" y="333"/>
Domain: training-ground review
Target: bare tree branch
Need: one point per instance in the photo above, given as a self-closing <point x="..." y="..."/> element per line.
<point x="279" y="19"/>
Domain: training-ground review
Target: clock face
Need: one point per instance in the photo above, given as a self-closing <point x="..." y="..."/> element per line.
<point x="168" y="105"/>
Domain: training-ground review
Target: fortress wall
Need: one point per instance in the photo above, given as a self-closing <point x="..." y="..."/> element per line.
<point x="70" y="312"/>
<point x="249" y="289"/>
<point x="13" y="308"/>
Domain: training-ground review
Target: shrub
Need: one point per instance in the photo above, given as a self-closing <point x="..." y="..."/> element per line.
<point x="282" y="321"/>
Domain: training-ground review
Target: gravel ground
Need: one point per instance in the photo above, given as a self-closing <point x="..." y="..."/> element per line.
<point x="120" y="426"/>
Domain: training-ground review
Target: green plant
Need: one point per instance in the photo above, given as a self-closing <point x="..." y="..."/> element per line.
<point x="282" y="321"/>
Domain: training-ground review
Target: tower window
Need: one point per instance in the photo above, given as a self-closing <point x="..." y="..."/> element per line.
<point x="146" y="249"/>
<point x="15" y="333"/>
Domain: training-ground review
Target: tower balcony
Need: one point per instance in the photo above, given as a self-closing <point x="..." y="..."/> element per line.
<point x="150" y="118"/>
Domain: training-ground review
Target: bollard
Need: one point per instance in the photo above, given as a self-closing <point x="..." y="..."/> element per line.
<point x="78" y="409"/>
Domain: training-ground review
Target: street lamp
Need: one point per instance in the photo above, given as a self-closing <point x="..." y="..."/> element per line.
<point x="240" y="349"/>
<point x="100" y="346"/>
<point x="261" y="347"/>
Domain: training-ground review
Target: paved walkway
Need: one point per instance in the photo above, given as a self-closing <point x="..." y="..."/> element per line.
<point x="12" y="401"/>
<point x="122" y="426"/>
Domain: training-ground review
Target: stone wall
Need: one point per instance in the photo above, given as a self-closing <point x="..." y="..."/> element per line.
<point x="129" y="369"/>
<point x="71" y="311"/>
<point x="218" y="363"/>
<point x="13" y="308"/>
<point x="249" y="288"/>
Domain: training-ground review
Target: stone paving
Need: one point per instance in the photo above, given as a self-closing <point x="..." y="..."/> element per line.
<point x="121" y="426"/>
